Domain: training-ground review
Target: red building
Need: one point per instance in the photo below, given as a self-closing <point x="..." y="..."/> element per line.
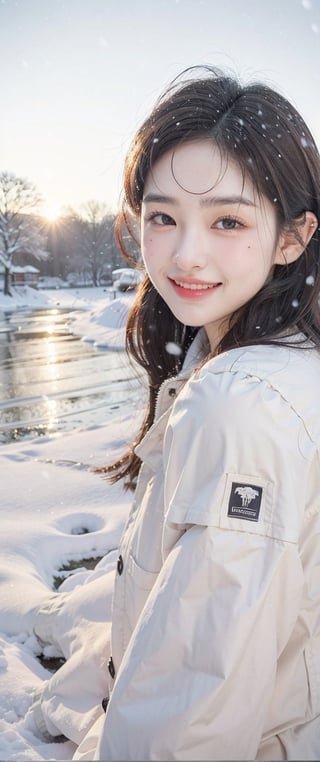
<point x="24" y="276"/>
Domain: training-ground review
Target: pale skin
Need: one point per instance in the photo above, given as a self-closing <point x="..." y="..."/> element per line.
<point x="209" y="242"/>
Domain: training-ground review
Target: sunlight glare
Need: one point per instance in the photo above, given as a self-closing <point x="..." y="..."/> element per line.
<point x="52" y="213"/>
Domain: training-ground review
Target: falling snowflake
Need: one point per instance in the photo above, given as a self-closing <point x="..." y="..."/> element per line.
<point x="173" y="349"/>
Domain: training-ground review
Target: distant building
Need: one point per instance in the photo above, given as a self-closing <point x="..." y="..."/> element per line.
<point x="24" y="276"/>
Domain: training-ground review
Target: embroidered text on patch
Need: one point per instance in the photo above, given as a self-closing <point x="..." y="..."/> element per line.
<point x="245" y="501"/>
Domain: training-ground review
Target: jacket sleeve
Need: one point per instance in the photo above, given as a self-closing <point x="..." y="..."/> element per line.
<point x="77" y="623"/>
<point x="198" y="675"/>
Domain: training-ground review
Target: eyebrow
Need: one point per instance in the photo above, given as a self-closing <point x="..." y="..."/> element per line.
<point x="205" y="202"/>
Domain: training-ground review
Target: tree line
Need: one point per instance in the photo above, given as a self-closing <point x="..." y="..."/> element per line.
<point x="79" y="246"/>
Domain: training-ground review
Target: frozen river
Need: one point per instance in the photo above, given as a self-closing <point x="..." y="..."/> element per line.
<point x="51" y="381"/>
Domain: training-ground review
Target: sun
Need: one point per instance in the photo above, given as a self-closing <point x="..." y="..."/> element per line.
<point x="52" y="212"/>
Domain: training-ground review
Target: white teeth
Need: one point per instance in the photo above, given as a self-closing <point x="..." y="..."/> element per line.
<point x="194" y="286"/>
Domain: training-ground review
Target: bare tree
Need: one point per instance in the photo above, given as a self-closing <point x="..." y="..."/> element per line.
<point x="68" y="243"/>
<point x="95" y="242"/>
<point x="21" y="231"/>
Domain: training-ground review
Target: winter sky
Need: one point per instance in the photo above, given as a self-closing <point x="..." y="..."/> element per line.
<point x="77" y="76"/>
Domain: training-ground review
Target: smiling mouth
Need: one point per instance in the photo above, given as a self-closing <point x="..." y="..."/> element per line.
<point x="194" y="286"/>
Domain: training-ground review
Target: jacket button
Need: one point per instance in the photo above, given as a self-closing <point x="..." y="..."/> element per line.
<point x="172" y="392"/>
<point x="111" y="668"/>
<point x="120" y="565"/>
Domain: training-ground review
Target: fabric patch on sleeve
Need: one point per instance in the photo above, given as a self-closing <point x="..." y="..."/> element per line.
<point x="245" y="501"/>
<point x="247" y="504"/>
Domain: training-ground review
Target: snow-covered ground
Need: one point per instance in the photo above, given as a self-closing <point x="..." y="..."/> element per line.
<point x="104" y="311"/>
<point x="53" y="509"/>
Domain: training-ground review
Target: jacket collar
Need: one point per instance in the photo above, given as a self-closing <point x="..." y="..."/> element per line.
<point x="196" y="353"/>
<point x="150" y="447"/>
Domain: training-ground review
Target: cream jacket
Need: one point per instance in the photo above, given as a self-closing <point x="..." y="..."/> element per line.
<point x="216" y="611"/>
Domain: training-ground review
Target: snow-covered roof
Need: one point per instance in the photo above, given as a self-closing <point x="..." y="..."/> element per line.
<point x="25" y="269"/>
<point x="20" y="269"/>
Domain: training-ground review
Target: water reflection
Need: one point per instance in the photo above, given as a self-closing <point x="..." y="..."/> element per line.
<point x="52" y="365"/>
<point x="51" y="381"/>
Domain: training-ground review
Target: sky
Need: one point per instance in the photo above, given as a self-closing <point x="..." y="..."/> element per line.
<point x="78" y="76"/>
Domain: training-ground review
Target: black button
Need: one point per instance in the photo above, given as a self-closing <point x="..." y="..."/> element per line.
<point x="104" y="703"/>
<point x="111" y="668"/>
<point x="120" y="565"/>
<point x="172" y="392"/>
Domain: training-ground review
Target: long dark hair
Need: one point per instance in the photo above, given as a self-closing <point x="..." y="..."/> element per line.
<point x="262" y="131"/>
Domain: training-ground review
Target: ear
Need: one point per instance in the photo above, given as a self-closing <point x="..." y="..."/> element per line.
<point x="289" y="247"/>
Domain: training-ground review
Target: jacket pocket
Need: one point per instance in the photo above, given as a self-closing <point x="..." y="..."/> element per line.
<point x="139" y="583"/>
<point x="140" y="577"/>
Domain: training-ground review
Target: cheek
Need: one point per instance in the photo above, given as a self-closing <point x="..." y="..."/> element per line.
<point x="255" y="259"/>
<point x="153" y="251"/>
<point x="146" y="249"/>
<point x="147" y="243"/>
<point x="150" y="256"/>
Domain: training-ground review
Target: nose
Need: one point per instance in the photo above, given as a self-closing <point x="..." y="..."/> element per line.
<point x="191" y="250"/>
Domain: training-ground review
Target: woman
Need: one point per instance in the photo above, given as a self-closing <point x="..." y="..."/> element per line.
<point x="216" y="604"/>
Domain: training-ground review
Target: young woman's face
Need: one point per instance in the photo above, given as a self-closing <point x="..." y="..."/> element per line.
<point x="208" y="241"/>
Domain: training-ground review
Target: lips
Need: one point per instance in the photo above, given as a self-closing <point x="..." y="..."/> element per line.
<point x="193" y="288"/>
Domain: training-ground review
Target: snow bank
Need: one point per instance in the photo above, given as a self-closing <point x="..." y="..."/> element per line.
<point x="54" y="509"/>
